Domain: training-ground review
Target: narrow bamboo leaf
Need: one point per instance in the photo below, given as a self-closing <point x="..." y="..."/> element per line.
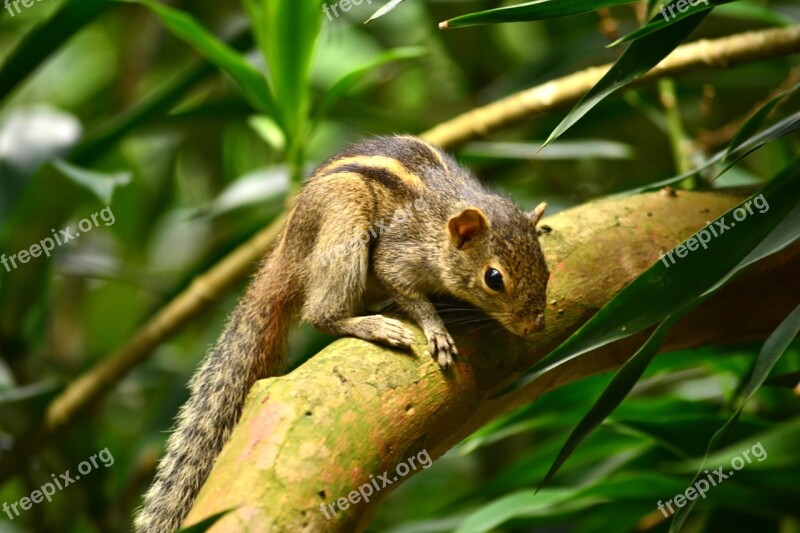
<point x="779" y="439"/>
<point x="255" y="188"/>
<point x="641" y="56"/>
<point x="613" y="395"/>
<point x="775" y="346"/>
<point x="536" y="10"/>
<point x="32" y="391"/>
<point x="783" y="128"/>
<point x="784" y="234"/>
<point x="755" y="122"/>
<point x="41" y="43"/>
<point x="257" y="15"/>
<point x="350" y="79"/>
<point x="268" y="130"/>
<point x="518" y="504"/>
<point x="388" y="6"/>
<point x="773" y="349"/>
<point x="664" y="18"/>
<point x="29" y="138"/>
<point x="666" y="288"/>
<point x="288" y="38"/>
<point x="186" y="28"/>
<point x="101" y="185"/>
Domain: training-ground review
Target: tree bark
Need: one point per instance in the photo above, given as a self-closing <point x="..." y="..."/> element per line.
<point x="357" y="409"/>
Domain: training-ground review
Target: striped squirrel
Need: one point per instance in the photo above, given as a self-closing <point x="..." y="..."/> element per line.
<point x="466" y="242"/>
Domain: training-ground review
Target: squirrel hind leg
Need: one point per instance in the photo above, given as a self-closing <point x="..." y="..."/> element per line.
<point x="335" y="295"/>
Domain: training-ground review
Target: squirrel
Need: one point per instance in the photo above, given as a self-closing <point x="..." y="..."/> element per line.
<point x="461" y="241"/>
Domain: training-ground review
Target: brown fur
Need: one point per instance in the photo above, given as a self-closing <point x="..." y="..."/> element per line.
<point x="444" y="248"/>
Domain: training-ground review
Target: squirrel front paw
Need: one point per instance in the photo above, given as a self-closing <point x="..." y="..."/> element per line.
<point x="441" y="346"/>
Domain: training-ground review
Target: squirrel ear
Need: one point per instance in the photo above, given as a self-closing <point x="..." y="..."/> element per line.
<point x="536" y="214"/>
<point x="467" y="225"/>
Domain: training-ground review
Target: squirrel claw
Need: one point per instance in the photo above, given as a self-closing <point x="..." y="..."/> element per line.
<point x="442" y="348"/>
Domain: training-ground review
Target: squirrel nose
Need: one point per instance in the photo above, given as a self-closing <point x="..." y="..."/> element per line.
<point x="533" y="326"/>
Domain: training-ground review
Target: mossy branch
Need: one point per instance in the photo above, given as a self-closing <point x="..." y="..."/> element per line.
<point x="355" y="409"/>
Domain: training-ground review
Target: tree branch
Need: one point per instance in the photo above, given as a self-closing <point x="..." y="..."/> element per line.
<point x="356" y="409"/>
<point x="725" y="52"/>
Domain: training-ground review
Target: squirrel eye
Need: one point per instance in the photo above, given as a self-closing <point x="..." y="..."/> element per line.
<point x="494" y="279"/>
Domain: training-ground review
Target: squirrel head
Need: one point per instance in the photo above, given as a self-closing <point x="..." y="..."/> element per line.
<point x="498" y="264"/>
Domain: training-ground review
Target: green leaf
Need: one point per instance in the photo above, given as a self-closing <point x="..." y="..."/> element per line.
<point x="32" y="391"/>
<point x="186" y="28"/>
<point x="288" y="32"/>
<point x="773" y="349"/>
<point x="599" y="448"/>
<point x="385" y="8"/>
<point x="29" y="138"/>
<point x="269" y="131"/>
<point x="663" y="19"/>
<point x="665" y="288"/>
<point x="634" y="486"/>
<point x="641" y="56"/>
<point x="46" y="39"/>
<point x="257" y="188"/>
<point x="518" y="504"/>
<point x="779" y="441"/>
<point x="616" y="391"/>
<point x="783" y="128"/>
<point x="346" y="82"/>
<point x="101" y="185"/>
<point x="752" y="125"/>
<point x="536" y="10"/>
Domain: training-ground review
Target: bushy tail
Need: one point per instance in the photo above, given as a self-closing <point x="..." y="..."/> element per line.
<point x="251" y="347"/>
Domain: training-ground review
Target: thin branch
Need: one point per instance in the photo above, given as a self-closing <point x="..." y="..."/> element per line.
<point x="725" y="52"/>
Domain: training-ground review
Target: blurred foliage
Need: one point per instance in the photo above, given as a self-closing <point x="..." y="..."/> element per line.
<point x="192" y="129"/>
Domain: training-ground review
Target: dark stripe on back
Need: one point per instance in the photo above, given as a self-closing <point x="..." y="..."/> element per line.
<point x="385" y="177"/>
